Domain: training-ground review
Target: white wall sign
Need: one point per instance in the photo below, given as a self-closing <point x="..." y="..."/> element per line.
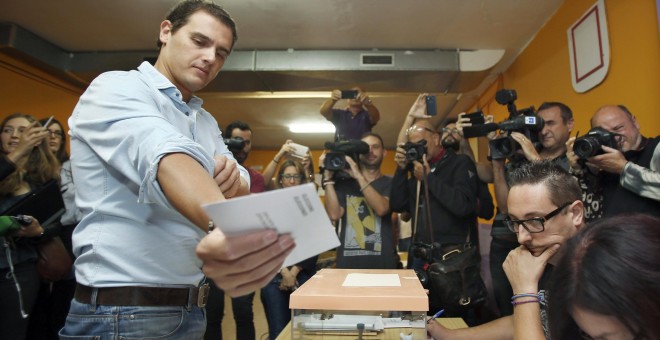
<point x="589" y="48"/>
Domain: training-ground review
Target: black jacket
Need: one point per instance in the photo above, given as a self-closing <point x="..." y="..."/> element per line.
<point x="453" y="188"/>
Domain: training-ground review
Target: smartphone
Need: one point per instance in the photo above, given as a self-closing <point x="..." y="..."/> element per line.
<point x="349" y="94"/>
<point x="431" y="105"/>
<point x="475" y="117"/>
<point x="49" y="121"/>
<point x="300" y="151"/>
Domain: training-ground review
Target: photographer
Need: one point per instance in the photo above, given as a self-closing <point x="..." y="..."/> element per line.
<point x="361" y="202"/>
<point x="452" y="186"/>
<point x="241" y="132"/>
<point x="355" y="120"/>
<point x="624" y="179"/>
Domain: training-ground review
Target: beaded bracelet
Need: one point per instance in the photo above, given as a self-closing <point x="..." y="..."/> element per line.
<point x="524" y="295"/>
<point x="515" y="303"/>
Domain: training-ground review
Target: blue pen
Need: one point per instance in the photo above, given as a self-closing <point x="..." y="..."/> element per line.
<point x="436" y="315"/>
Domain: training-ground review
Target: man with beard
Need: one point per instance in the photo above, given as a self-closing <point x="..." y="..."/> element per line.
<point x="620" y="180"/>
<point x="362" y="204"/>
<point x="452" y="139"/>
<point x="241" y="130"/>
<point x="452" y="187"/>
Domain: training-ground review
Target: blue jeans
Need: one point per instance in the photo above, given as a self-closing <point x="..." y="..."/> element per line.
<point x="276" y="304"/>
<point x="86" y="321"/>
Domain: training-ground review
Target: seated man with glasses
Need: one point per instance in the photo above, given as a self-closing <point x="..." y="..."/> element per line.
<point x="545" y="211"/>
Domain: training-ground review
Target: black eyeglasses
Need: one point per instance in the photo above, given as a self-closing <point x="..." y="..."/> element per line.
<point x="289" y="177"/>
<point x="534" y="224"/>
<point x="452" y="130"/>
<point x="418" y="128"/>
<point x="55" y="134"/>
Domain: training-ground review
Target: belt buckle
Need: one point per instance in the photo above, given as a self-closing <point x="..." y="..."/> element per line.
<point x="203" y="295"/>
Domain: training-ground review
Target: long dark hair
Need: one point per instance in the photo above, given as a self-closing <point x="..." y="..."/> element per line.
<point x="611" y="267"/>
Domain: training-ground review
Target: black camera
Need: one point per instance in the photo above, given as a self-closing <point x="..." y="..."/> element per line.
<point x="524" y="121"/>
<point x="475" y="117"/>
<point x="415" y="151"/>
<point x="335" y="160"/>
<point x="425" y="251"/>
<point x="235" y="143"/>
<point x="591" y="144"/>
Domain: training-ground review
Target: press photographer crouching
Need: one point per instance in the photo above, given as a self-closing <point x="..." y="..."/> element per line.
<point x="439" y="190"/>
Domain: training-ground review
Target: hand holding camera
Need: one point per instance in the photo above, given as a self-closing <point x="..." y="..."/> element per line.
<point x="528" y="148"/>
<point x="418" y="109"/>
<point x="336" y="95"/>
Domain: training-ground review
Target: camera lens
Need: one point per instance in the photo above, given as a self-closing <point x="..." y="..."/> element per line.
<point x="412" y="154"/>
<point x="586" y="147"/>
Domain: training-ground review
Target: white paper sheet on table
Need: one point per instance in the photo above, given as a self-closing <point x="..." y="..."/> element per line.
<point x="296" y="210"/>
<point x="371" y="280"/>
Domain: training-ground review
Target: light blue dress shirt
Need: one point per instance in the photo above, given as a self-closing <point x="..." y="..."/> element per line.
<point x="122" y="126"/>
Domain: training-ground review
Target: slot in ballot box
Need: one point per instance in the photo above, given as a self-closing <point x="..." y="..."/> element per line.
<point x="359" y="303"/>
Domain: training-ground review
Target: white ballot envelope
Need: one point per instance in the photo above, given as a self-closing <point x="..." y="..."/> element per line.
<point x="296" y="211"/>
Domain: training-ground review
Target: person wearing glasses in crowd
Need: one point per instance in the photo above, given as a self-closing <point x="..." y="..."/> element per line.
<point x="27" y="165"/>
<point x="361" y="202"/>
<point x="275" y="295"/>
<point x="557" y="127"/>
<point x="452" y="185"/>
<point x="288" y="151"/>
<point x="606" y="284"/>
<point x="545" y="211"/>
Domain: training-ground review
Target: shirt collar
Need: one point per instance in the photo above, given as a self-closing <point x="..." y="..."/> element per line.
<point x="165" y="85"/>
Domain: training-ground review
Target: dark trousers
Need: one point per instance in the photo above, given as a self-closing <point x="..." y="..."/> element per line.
<point x="50" y="310"/>
<point x="12" y="324"/>
<point x="243" y="316"/>
<point x="502" y="291"/>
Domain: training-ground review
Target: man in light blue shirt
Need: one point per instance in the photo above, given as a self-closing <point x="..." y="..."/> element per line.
<point x="145" y="157"/>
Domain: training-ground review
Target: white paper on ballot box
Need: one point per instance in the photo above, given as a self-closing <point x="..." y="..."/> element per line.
<point x="296" y="210"/>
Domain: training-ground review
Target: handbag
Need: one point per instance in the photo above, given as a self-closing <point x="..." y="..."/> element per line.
<point x="54" y="262"/>
<point x="455" y="282"/>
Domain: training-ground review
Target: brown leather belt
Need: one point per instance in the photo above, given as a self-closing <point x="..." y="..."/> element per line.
<point x="143" y="296"/>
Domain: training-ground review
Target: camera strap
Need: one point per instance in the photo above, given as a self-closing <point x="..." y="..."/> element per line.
<point x="427" y="208"/>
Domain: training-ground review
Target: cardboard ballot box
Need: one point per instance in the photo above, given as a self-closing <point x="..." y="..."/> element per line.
<point x="372" y="304"/>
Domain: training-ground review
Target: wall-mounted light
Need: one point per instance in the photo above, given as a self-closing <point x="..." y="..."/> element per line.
<point x="312" y="127"/>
